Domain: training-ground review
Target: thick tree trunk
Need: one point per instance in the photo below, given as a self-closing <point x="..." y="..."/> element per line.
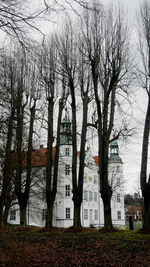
<point x="23" y="217"/>
<point x="1" y="213"/>
<point x="5" y="193"/>
<point x="49" y="163"/>
<point x="106" y="197"/>
<point x="105" y="188"/>
<point x="23" y="196"/>
<point x="5" y="217"/>
<point x="78" y="199"/>
<point x="145" y="186"/>
<point x="77" y="217"/>
<point x="51" y="185"/>
<point x="49" y="217"/>
<point x="146" y="211"/>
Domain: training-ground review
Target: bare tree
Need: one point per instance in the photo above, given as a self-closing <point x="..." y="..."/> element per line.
<point x="144" y="78"/>
<point x="51" y="81"/>
<point x="26" y="96"/>
<point x="107" y="50"/>
<point x="73" y="61"/>
<point x="8" y="107"/>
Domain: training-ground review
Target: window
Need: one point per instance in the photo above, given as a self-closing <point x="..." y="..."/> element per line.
<point x="67" y="213"/>
<point x="67" y="153"/>
<point x="119" y="215"/>
<point x="118" y="181"/>
<point x="67" y="169"/>
<point x="85" y="196"/>
<point x="44" y="213"/>
<point x="95" y="179"/>
<point x="12" y="215"/>
<point x="96" y="215"/>
<point x="90" y="196"/>
<point x="85" y="177"/>
<point x="95" y="196"/>
<point x="85" y="214"/>
<point x="67" y="190"/>
<point x="118" y="197"/>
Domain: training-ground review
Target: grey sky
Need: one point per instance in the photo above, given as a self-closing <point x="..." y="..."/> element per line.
<point x="131" y="151"/>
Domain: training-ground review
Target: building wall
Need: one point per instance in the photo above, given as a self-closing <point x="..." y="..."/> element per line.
<point x="117" y="203"/>
<point x="92" y="206"/>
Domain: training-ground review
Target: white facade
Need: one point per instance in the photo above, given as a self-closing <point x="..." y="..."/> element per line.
<point x="92" y="205"/>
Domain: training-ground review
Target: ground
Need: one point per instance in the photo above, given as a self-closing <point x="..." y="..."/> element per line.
<point x="59" y="247"/>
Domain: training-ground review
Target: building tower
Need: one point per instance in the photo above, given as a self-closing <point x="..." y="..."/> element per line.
<point x="116" y="180"/>
<point x="65" y="132"/>
<point x="114" y="153"/>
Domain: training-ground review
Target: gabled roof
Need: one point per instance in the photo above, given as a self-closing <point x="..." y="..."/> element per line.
<point x="38" y="157"/>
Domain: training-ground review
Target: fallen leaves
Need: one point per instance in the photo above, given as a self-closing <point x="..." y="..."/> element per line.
<point x="66" y="248"/>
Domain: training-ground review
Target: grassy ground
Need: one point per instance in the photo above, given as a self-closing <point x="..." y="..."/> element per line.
<point x="137" y="225"/>
<point x="59" y="247"/>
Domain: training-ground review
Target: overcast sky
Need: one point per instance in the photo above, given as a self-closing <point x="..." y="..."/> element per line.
<point x="130" y="151"/>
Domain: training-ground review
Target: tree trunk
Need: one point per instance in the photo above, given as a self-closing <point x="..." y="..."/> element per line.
<point x="6" y="188"/>
<point x="49" y="163"/>
<point x="105" y="188"/>
<point x="1" y="213"/>
<point x="23" y="217"/>
<point x="74" y="157"/>
<point x="145" y="186"/>
<point x="29" y="152"/>
<point x="146" y="214"/>
<point x="49" y="216"/>
<point x="77" y="217"/>
<point x="106" y="197"/>
<point x="78" y="200"/>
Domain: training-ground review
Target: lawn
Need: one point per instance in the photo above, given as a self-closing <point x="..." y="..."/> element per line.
<point x="59" y="247"/>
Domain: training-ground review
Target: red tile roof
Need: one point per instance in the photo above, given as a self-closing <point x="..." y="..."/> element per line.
<point x="39" y="157"/>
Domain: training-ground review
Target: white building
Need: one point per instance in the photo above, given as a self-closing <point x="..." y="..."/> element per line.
<point x="92" y="206"/>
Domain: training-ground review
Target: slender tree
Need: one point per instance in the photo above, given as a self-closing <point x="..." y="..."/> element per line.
<point x="71" y="52"/>
<point x="50" y="80"/>
<point x="107" y="50"/>
<point x="27" y="94"/>
<point x="144" y="77"/>
<point x="8" y="107"/>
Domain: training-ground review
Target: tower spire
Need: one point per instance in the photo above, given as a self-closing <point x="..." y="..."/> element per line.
<point x="65" y="132"/>
<point x="114" y="153"/>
